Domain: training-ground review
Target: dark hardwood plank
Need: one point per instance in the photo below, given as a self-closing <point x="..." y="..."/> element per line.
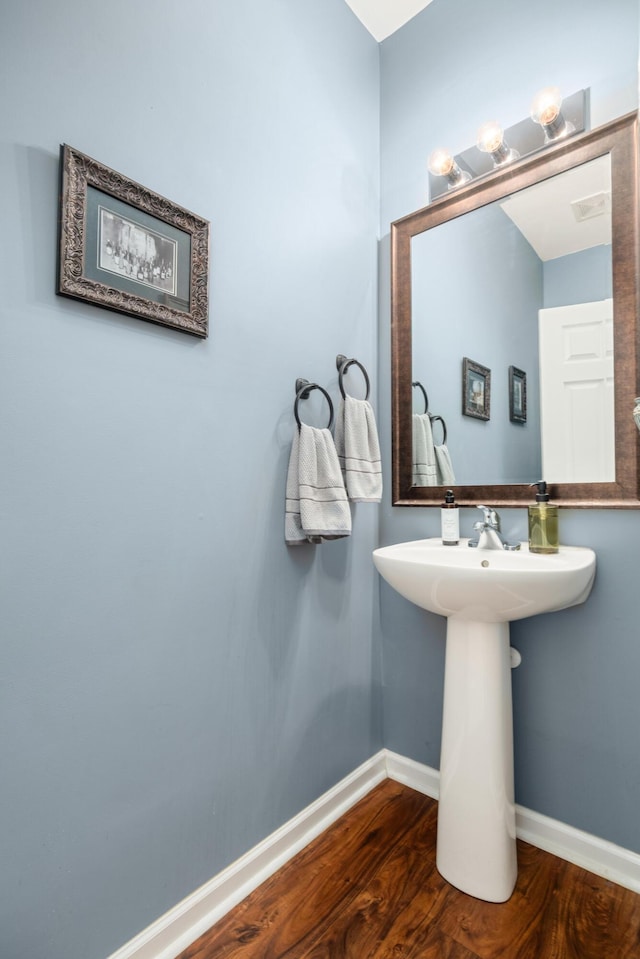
<point x="386" y="911"/>
<point x="502" y="929"/>
<point x="557" y="911"/>
<point x="368" y="888"/>
<point x="295" y="908"/>
<point x="598" y="919"/>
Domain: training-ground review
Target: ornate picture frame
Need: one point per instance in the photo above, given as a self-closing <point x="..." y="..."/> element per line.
<point x="517" y="395"/>
<point x="128" y="249"/>
<point x="476" y="390"/>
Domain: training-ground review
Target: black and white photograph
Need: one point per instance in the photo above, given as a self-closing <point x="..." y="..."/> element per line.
<point x="127" y="249"/>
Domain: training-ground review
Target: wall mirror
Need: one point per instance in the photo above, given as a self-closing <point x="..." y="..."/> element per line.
<point x="526" y="279"/>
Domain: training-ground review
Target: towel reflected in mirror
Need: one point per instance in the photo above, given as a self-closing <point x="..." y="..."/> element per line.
<point x="431" y="464"/>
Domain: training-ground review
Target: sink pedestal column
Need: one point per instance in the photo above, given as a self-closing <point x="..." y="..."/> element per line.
<point x="476" y="849"/>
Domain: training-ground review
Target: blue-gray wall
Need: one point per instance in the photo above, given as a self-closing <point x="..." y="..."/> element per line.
<point x="577" y="709"/>
<point x="583" y="277"/>
<point x="176" y="683"/>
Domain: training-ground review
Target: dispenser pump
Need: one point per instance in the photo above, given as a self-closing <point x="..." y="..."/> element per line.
<point x="449" y="497"/>
<point x="543" y="522"/>
<point x="541" y="496"/>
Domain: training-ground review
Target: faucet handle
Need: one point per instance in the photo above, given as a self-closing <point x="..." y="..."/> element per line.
<point x="490" y="517"/>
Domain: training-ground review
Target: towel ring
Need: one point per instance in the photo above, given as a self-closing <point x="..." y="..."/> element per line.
<point x="424" y="393"/>
<point x="444" y="427"/>
<point x="343" y="365"/>
<point x="303" y="388"/>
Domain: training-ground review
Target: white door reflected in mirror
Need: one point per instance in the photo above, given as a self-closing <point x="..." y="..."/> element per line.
<point x="577" y="424"/>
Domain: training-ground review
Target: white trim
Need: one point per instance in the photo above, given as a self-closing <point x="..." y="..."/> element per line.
<point x="169" y="935"/>
<point x="172" y="933"/>
<point x="605" y="859"/>
<point x="422" y="778"/>
<point x="581" y="848"/>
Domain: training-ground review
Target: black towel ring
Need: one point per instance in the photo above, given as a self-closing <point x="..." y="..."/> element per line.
<point x="343" y="365"/>
<point x="419" y="386"/>
<point x="444" y="427"/>
<point x="303" y="388"/>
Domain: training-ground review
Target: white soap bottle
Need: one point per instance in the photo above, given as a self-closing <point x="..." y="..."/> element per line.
<point x="450" y="518"/>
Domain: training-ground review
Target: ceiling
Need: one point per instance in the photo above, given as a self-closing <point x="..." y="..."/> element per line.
<point x="545" y="215"/>
<point x="384" y="17"/>
<point x="566" y="213"/>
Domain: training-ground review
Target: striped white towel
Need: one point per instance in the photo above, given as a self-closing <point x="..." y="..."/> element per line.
<point x="316" y="506"/>
<point x="424" y="454"/>
<point x="358" y="450"/>
<point x="446" y="476"/>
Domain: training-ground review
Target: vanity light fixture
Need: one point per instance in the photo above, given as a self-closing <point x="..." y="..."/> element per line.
<point x="491" y="140"/>
<point x="546" y="110"/>
<point x="551" y="118"/>
<point x="442" y="163"/>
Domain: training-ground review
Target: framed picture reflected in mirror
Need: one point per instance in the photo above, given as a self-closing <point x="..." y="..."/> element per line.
<point x="517" y="395"/>
<point x="476" y="390"/>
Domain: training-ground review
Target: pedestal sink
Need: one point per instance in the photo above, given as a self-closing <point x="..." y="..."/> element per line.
<point x="480" y="591"/>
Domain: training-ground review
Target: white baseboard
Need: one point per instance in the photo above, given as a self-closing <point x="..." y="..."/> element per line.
<point x="172" y="933"/>
<point x="581" y="848"/>
<point x="422" y="778"/>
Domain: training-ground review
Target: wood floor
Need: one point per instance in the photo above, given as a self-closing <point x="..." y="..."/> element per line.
<point x="368" y="888"/>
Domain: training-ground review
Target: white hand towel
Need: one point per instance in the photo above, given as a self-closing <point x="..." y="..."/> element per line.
<point x="424" y="454"/>
<point x="316" y="506"/>
<point x="358" y="450"/>
<point x="444" y="466"/>
<point x="294" y="534"/>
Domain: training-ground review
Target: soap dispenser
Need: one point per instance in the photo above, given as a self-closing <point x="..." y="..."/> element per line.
<point x="543" y="522"/>
<point x="449" y="515"/>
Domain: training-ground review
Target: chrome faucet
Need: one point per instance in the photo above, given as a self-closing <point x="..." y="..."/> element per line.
<point x="489" y="535"/>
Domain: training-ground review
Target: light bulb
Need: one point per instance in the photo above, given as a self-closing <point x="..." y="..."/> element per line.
<point x="546" y="106"/>
<point x="441" y="162"/>
<point x="490" y="139"/>
<point x="545" y="110"/>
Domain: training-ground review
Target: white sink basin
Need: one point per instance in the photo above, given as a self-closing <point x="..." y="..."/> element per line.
<point x="485" y="585"/>
<point x="480" y="591"/>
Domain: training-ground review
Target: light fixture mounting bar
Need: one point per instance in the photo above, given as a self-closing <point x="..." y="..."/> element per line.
<point x="525" y="137"/>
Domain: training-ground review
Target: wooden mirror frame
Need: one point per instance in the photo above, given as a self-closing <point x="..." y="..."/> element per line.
<point x="619" y="139"/>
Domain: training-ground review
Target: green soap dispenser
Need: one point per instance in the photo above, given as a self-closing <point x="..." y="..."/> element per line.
<point x="543" y="522"/>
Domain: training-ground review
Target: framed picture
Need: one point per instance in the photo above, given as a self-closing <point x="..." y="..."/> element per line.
<point x="476" y="390"/>
<point x="129" y="249"/>
<point x="517" y="395"/>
